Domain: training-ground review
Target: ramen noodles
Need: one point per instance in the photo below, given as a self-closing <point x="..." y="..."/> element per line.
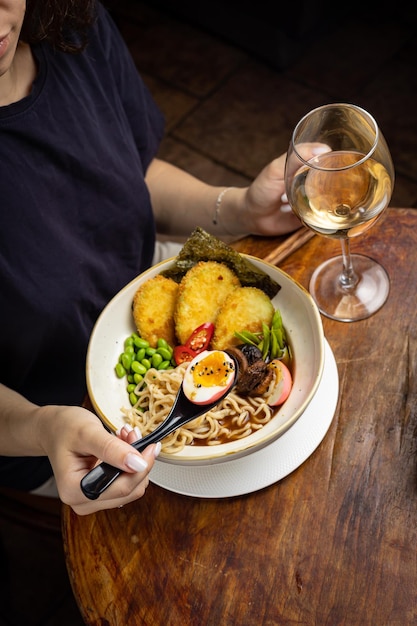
<point x="233" y="418"/>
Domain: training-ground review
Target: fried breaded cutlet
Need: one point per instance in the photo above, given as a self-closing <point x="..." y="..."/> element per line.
<point x="201" y="293"/>
<point x="244" y="309"/>
<point x="153" y="310"/>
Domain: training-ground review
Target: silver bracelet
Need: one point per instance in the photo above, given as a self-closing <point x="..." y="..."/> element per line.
<point x="218" y="205"/>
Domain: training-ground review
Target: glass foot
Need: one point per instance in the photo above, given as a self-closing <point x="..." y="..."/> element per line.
<point x="352" y="303"/>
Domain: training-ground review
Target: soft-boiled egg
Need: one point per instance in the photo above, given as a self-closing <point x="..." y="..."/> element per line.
<point x="282" y="384"/>
<point x="208" y="376"/>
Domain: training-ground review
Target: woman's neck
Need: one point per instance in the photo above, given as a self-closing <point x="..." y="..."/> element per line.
<point x="17" y="82"/>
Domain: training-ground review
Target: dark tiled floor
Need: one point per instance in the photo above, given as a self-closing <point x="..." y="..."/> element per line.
<point x="228" y="113"/>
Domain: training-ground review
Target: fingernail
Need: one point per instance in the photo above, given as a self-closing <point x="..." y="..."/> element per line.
<point x="127" y="428"/>
<point x="284" y="197"/>
<point x="319" y="150"/>
<point x="157" y="449"/>
<point x="285" y="208"/>
<point x="137" y="432"/>
<point x="136" y="463"/>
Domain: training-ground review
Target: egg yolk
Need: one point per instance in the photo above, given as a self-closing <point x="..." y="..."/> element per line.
<point x="212" y="371"/>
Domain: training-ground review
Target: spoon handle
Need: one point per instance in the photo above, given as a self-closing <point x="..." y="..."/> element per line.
<point x="102" y="476"/>
<point x="98" y="479"/>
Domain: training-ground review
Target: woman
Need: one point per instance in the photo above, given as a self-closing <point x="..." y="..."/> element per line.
<point x="82" y="197"/>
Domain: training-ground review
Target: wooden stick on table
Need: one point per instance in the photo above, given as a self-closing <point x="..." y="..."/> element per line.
<point x="290" y="245"/>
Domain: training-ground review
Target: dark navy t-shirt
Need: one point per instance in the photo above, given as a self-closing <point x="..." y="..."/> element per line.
<point x="76" y="222"/>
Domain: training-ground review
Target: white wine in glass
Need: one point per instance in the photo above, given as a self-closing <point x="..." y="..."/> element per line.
<point x="339" y="178"/>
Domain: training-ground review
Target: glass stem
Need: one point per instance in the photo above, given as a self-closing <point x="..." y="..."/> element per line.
<point x="348" y="279"/>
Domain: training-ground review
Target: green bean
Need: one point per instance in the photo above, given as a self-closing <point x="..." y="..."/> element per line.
<point x="279" y="337"/>
<point x="247" y="337"/>
<point x="165" y="365"/>
<point x="274" y="349"/>
<point x="150" y="351"/>
<point x="140" y="354"/>
<point x="276" y="319"/>
<point x="272" y="342"/>
<point x="266" y="341"/>
<point x="162" y="343"/>
<point x="131" y="388"/>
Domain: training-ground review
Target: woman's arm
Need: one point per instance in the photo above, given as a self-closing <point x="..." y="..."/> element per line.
<point x="181" y="202"/>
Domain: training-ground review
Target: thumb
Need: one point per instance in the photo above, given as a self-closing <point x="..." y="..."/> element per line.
<point x="274" y="170"/>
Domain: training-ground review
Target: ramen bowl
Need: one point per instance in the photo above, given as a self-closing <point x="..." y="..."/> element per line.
<point x="304" y="330"/>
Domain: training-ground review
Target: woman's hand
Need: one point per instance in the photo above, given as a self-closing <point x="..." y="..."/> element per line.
<point x="74" y="439"/>
<point x="265" y="207"/>
<point x="266" y="210"/>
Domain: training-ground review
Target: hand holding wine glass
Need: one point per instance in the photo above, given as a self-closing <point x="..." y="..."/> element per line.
<point x="339" y="193"/>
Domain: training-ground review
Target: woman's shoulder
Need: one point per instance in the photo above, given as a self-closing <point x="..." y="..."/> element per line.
<point x="104" y="33"/>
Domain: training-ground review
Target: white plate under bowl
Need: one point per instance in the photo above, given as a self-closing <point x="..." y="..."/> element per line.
<point x="263" y="467"/>
<point x="303" y="325"/>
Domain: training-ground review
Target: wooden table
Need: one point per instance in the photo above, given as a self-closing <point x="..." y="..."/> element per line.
<point x="333" y="543"/>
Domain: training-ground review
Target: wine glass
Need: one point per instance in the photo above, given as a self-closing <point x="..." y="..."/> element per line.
<point x="339" y="178"/>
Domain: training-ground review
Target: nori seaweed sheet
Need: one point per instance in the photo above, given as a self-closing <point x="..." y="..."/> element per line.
<point x="201" y="246"/>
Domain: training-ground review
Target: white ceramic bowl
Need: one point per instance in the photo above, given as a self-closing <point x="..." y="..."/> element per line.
<point x="303" y="325"/>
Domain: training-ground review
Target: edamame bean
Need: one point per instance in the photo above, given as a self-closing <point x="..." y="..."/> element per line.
<point x="156" y="360"/>
<point x="138" y="357"/>
<point x="140" y="343"/>
<point x="146" y="363"/>
<point x="139" y="368"/>
<point x="162" y="343"/>
<point x="126" y="361"/>
<point x="120" y="370"/>
<point x="164" y="365"/>
<point x="165" y="353"/>
<point x="133" y="398"/>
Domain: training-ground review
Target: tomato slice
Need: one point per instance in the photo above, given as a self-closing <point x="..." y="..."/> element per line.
<point x="197" y="342"/>
<point x="200" y="338"/>
<point x="183" y="354"/>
